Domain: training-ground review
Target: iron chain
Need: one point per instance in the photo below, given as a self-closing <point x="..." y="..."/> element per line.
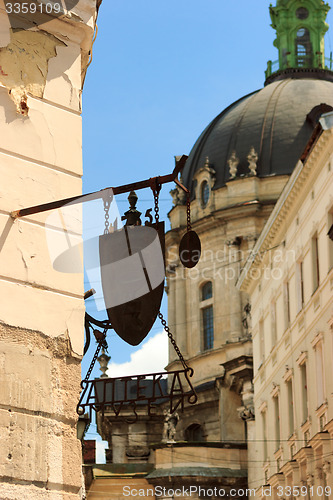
<point x="92" y="364"/>
<point x="173" y="342"/>
<point x="107" y="203"/>
<point x="156" y="207"/>
<point x="188" y="212"/>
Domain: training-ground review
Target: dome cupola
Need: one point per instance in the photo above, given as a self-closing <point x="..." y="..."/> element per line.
<point x="300" y="28"/>
<point x="275" y="123"/>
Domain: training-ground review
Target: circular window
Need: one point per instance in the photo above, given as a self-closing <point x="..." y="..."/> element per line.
<point x="302" y="13"/>
<point x="204" y="193"/>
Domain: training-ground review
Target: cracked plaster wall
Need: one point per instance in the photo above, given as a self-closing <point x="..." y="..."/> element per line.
<point x="24" y="65"/>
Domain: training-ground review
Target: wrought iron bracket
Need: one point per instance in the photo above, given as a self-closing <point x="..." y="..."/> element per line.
<point x="126" y="188"/>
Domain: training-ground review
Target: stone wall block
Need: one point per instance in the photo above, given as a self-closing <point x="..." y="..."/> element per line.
<point x="55" y="140"/>
<point x="63" y="85"/>
<point x="26" y="183"/>
<point x="25" y="380"/>
<point x="24" y="446"/>
<point x="46" y="307"/>
<point x="25" y="257"/>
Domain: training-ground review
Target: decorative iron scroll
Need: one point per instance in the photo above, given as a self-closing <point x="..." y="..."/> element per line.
<point x="124" y="395"/>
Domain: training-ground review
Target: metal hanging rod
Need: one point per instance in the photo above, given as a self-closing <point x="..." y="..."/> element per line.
<point x="154" y="183"/>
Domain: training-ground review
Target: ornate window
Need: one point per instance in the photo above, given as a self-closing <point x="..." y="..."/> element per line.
<point x="304" y="391"/>
<point x="299" y="285"/>
<point x="303" y="48"/>
<point x="286" y="304"/>
<point x="320" y="373"/>
<point x="273" y="324"/>
<point x="302" y="13"/>
<point x="207" y="316"/>
<point x="205" y="192"/>
<point x="315" y="262"/>
<point x="277" y="420"/>
<point x="290" y="400"/>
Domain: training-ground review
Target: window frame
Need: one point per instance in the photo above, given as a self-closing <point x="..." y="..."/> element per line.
<point x="206" y="304"/>
<point x="315" y="262"/>
<point x="299" y="285"/>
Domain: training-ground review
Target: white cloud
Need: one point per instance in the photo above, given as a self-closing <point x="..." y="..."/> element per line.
<point x="151" y="357"/>
<point x="100" y="451"/>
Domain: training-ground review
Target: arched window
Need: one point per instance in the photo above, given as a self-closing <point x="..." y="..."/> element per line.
<point x="207" y="317"/>
<point x="302" y="13"/>
<point x="207" y="291"/>
<point x="194" y="432"/>
<point x="303" y="48"/>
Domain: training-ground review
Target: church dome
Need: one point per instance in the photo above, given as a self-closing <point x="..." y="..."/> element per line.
<point x="277" y="121"/>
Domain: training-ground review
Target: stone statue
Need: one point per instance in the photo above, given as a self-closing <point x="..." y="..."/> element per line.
<point x="246" y="413"/>
<point x="169" y="428"/>
<point x="310" y="479"/>
<point x="233" y="164"/>
<point x="252" y="158"/>
<point x="327" y="469"/>
<point x="178" y="195"/>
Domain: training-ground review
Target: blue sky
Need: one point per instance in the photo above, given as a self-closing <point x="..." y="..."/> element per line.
<point x="161" y="71"/>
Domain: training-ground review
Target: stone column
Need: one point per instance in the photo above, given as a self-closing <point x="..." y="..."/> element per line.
<point x="41" y="309"/>
<point x="252" y="453"/>
<point x="119" y="442"/>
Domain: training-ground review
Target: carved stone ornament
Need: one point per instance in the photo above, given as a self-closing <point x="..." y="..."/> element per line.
<point x="106" y="428"/>
<point x="252" y="158"/>
<point x="206" y="162"/>
<point x="327" y="468"/>
<point x="169" y="427"/>
<point x="175" y="196"/>
<point x="233" y="165"/>
<point x="234" y="242"/>
<point x="206" y="169"/>
<point x="137" y="451"/>
<point x="246" y="413"/>
<point x="178" y="195"/>
<point x="310" y="479"/>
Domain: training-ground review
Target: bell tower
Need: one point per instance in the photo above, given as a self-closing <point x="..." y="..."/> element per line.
<point x="300" y="28"/>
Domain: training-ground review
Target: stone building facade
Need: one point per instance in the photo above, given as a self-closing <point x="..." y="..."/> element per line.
<point x="236" y="173"/>
<point x="43" y="61"/>
<point x="290" y="282"/>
